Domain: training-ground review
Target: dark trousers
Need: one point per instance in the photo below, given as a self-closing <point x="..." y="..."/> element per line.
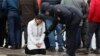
<point x="7" y="39"/>
<point x="24" y="29"/>
<point x="35" y="51"/>
<point x="78" y="38"/>
<point x="83" y="31"/>
<point x="72" y="36"/>
<point x="2" y="29"/>
<point x="14" y="28"/>
<point x="71" y="40"/>
<point x="93" y="28"/>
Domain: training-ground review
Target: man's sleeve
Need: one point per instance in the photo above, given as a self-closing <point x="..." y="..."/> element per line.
<point x="53" y="26"/>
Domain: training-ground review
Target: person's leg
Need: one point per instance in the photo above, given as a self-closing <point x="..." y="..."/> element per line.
<point x="59" y="37"/>
<point x="17" y="31"/>
<point x="97" y="35"/>
<point x="72" y="28"/>
<point x="78" y="38"/>
<point x="90" y="30"/>
<point x="3" y="18"/>
<point x="1" y="35"/>
<point x="11" y="28"/>
<point x="89" y="34"/>
<point x="24" y="29"/>
<point x="83" y="40"/>
<point x="52" y="40"/>
<point x="71" y="40"/>
<point x="51" y="36"/>
<point x="83" y="32"/>
<point x="7" y="42"/>
<point x="25" y="34"/>
<point x="4" y="35"/>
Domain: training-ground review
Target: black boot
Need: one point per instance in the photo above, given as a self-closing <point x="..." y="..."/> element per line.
<point x="60" y="50"/>
<point x="52" y="49"/>
<point x="97" y="51"/>
<point x="87" y="51"/>
<point x="13" y="47"/>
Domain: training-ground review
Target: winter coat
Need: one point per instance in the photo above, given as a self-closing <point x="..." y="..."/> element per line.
<point x="74" y="3"/>
<point x="35" y="35"/>
<point x="94" y="11"/>
<point x="68" y="15"/>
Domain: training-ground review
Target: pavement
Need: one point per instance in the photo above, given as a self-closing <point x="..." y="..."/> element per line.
<point x="20" y="52"/>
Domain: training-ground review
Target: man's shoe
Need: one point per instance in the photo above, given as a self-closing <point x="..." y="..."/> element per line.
<point x="1" y="46"/>
<point x="86" y="51"/>
<point x="6" y="46"/>
<point x="52" y="49"/>
<point x="60" y="50"/>
<point x="13" y="47"/>
<point x="18" y="46"/>
<point x="97" y="51"/>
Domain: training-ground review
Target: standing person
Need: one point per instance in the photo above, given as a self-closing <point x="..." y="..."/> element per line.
<point x="2" y="24"/>
<point x="71" y="17"/>
<point x="5" y="12"/>
<point x="28" y="10"/>
<point x="35" y="43"/>
<point x="14" y="26"/>
<point x="58" y="29"/>
<point x="84" y="24"/>
<point x="79" y="5"/>
<point x="48" y="22"/>
<point x="93" y="25"/>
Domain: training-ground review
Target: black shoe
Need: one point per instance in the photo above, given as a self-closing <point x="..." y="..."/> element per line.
<point x="51" y="49"/>
<point x="18" y="47"/>
<point x="6" y="46"/>
<point x="13" y="47"/>
<point x="97" y="51"/>
<point x="86" y="51"/>
<point x="60" y="50"/>
<point x="1" y="46"/>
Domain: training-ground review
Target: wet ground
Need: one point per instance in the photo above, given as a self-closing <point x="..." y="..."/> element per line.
<point x="20" y="52"/>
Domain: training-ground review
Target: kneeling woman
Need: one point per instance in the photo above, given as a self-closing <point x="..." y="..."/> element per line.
<point x="35" y="43"/>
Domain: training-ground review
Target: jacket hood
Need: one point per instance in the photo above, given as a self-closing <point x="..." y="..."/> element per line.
<point x="45" y="6"/>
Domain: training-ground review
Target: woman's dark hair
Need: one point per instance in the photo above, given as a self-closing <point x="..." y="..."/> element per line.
<point x="40" y="16"/>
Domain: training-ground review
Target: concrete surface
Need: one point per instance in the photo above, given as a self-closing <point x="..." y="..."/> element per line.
<point x="20" y="52"/>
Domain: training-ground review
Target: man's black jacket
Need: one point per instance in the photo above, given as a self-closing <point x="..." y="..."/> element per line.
<point x="68" y="16"/>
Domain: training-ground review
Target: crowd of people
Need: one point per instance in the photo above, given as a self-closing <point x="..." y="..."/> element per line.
<point x="44" y="22"/>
